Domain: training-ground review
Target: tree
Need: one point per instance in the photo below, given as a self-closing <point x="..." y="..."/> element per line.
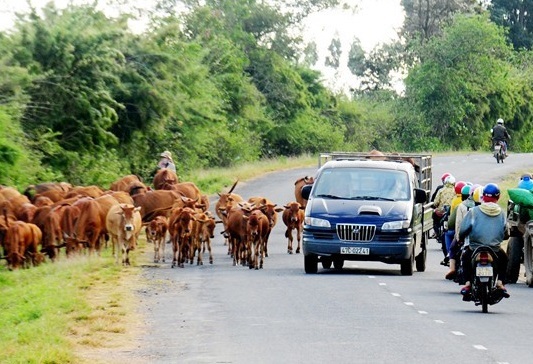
<point x="333" y="59"/>
<point x="310" y="54"/>
<point x="425" y="18"/>
<point x="356" y="58"/>
<point x="517" y="16"/>
<point x="464" y="84"/>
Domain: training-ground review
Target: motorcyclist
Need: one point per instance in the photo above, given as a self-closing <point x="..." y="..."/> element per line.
<point x="449" y="234"/>
<point x="442" y="204"/>
<point x="499" y="134"/>
<point x="436" y="218"/>
<point x="485" y="225"/>
<point x="458" y="214"/>
<point x="525" y="182"/>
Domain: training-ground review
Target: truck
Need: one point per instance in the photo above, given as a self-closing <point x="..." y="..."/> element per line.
<point x="364" y="207"/>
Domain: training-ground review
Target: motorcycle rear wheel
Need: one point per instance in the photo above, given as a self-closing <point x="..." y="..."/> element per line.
<point x="484" y="290"/>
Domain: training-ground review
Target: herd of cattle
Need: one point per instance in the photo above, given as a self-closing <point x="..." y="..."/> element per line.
<point x="37" y="224"/>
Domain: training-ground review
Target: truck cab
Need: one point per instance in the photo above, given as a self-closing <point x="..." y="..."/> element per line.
<point x="364" y="209"/>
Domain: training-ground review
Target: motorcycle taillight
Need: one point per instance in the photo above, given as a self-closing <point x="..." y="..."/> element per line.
<point x="484" y="258"/>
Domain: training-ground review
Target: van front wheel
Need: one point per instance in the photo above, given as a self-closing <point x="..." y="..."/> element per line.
<point x="407" y="265"/>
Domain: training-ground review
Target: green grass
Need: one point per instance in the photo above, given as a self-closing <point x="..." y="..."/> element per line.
<point x="48" y="312"/>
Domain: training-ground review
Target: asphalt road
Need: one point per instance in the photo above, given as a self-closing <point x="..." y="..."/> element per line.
<point x="366" y="313"/>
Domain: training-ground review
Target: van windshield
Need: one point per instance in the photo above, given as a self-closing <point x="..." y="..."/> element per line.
<point x="362" y="184"/>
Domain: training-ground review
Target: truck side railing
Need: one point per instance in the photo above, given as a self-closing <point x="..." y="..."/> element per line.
<point x="421" y="162"/>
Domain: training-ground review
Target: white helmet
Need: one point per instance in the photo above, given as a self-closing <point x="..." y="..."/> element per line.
<point x="500" y="121"/>
<point x="450" y="180"/>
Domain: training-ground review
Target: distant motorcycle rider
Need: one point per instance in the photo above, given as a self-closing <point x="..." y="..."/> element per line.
<point x="500" y="134"/>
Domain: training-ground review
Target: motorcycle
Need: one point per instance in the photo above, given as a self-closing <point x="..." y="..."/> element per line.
<point x="442" y="227"/>
<point x="483" y="290"/>
<point x="499" y="151"/>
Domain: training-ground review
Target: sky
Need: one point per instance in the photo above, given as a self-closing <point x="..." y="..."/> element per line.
<point x="376" y="21"/>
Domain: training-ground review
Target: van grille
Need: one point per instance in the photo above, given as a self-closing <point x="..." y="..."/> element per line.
<point x="356" y="232"/>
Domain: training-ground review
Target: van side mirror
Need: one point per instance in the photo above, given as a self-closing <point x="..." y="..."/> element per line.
<point x="420" y="195"/>
<point x="306" y="191"/>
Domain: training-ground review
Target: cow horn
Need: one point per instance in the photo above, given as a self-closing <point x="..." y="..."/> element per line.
<point x="233" y="187"/>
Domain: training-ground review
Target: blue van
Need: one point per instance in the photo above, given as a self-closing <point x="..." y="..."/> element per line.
<point x="371" y="210"/>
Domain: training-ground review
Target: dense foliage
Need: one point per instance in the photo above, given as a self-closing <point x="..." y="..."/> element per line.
<point x="85" y="99"/>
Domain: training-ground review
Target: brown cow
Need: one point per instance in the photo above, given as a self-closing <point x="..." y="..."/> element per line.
<point x="21" y="245"/>
<point x="221" y="206"/>
<point x="59" y="188"/>
<point x="89" y="224"/>
<point x="68" y="223"/>
<point x="180" y="228"/>
<point x="86" y="191"/>
<point x="258" y="229"/>
<point x="188" y="189"/>
<point x="156" y="231"/>
<point x="51" y="228"/>
<point x="293" y="218"/>
<point x="155" y="203"/>
<point x="271" y="210"/>
<point x="124" y="183"/>
<point x="203" y="232"/>
<point x="300" y="182"/>
<point x="124" y="223"/>
<point x="237" y="232"/>
<point x="121" y="196"/>
<point x="165" y="179"/>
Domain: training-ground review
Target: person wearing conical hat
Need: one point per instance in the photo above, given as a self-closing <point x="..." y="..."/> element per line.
<point x="166" y="161"/>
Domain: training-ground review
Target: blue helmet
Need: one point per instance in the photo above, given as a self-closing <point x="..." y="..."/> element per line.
<point x="491" y="190"/>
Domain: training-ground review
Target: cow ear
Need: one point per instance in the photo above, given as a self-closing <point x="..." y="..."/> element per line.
<point x="286" y="206"/>
<point x="279" y="209"/>
<point x="138" y="208"/>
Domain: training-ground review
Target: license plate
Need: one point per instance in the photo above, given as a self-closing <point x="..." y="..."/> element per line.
<point x="355" y="250"/>
<point x="484" y="271"/>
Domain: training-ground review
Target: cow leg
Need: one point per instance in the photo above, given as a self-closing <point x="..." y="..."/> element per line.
<point x="208" y="243"/>
<point x="299" y="239"/>
<point x="261" y="253"/>
<point x="175" y="252"/>
<point x="116" y="248"/>
<point x="257" y="255"/>
<point x="200" y="260"/>
<point x="288" y="235"/>
<point x="162" y="248"/>
<point x="265" y="244"/>
<point x="156" y="250"/>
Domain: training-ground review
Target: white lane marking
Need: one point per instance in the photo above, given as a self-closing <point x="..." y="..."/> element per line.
<point x="383" y="284"/>
<point x="396" y="294"/>
<point x="423" y="312"/>
<point x="371" y="277"/>
<point x="458" y="333"/>
<point x="480" y="347"/>
<point x="439" y="321"/>
<point x="409" y="303"/>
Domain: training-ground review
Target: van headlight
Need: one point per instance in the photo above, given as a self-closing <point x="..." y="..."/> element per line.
<point x="313" y="221"/>
<point x="395" y="225"/>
